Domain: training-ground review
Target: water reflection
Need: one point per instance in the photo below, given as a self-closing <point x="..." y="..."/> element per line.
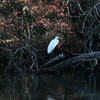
<point x="92" y="81"/>
<point x="49" y="97"/>
<point x="74" y="86"/>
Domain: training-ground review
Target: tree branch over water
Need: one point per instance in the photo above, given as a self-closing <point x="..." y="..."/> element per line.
<point x="74" y="60"/>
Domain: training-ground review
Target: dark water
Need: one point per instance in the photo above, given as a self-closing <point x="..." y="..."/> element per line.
<point x="73" y="86"/>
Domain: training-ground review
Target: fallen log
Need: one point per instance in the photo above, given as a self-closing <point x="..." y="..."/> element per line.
<point x="74" y="60"/>
<point x="52" y="61"/>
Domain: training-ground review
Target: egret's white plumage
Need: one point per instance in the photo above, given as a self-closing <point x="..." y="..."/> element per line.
<point x="53" y="43"/>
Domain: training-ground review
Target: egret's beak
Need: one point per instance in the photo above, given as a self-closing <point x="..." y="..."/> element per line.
<point x="60" y="38"/>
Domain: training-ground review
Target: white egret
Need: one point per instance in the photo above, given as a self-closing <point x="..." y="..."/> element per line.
<point x="53" y="43"/>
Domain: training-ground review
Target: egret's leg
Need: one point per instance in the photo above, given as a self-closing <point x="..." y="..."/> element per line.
<point x="54" y="53"/>
<point x="51" y="55"/>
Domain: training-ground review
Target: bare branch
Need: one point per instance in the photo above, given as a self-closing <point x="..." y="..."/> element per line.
<point x="77" y="59"/>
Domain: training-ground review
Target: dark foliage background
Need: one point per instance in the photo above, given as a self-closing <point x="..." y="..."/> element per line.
<point x="36" y="22"/>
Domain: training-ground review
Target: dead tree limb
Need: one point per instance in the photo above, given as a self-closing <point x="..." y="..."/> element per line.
<point x="74" y="60"/>
<point x="52" y="61"/>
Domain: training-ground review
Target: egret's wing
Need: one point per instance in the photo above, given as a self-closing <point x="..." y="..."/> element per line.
<point x="52" y="45"/>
